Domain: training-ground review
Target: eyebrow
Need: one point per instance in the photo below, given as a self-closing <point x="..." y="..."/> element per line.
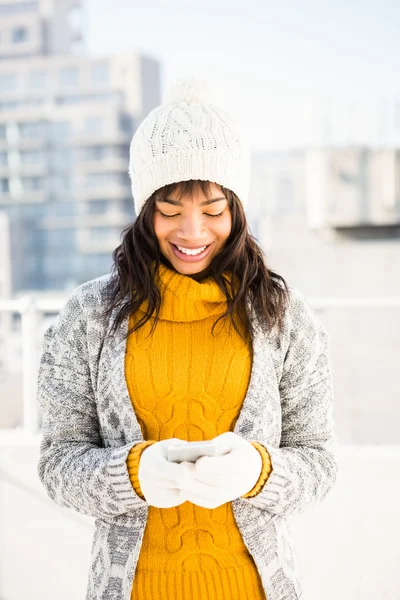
<point x="177" y="203"/>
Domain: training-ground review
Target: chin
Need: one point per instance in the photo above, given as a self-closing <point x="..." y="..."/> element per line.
<point x="190" y="269"/>
<point x="187" y="268"/>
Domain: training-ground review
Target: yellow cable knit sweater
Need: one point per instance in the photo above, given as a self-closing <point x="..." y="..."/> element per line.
<point x="185" y="383"/>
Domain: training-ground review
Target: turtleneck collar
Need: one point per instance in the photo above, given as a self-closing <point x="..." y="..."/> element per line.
<point x="185" y="299"/>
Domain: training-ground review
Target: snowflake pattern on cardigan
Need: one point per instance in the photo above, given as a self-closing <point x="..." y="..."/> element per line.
<point x="89" y="426"/>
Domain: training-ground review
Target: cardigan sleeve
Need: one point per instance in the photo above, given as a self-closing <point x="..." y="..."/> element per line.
<point x="304" y="466"/>
<point x="74" y="468"/>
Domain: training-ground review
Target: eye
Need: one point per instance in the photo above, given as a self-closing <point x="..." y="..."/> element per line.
<point x="167" y="216"/>
<point x="218" y="215"/>
<point x="171" y="216"/>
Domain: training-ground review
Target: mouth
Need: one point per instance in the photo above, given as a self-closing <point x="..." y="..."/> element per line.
<point x="190" y="257"/>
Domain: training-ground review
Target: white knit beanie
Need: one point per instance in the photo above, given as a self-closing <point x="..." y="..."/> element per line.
<point x="188" y="137"/>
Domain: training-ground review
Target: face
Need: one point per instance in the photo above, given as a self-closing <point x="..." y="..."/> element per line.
<point x="192" y="223"/>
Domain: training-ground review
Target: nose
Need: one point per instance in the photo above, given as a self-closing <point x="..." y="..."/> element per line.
<point x="192" y="228"/>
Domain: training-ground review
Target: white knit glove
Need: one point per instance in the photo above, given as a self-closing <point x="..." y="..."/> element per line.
<point x="159" y="479"/>
<point x="215" y="480"/>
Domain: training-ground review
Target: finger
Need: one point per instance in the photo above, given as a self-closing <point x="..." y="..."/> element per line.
<point x="227" y="463"/>
<point x="174" y="499"/>
<point x="166" y="484"/>
<point x="171" y="470"/>
<point x="211" y="503"/>
<point x="190" y="466"/>
<point x="198" y="488"/>
<point x="226" y="442"/>
<point x="221" y="480"/>
<point x="173" y="490"/>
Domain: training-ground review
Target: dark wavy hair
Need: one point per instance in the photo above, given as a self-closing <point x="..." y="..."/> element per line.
<point x="137" y="258"/>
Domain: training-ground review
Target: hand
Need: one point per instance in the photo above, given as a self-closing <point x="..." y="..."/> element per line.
<point x="159" y="479"/>
<point x="214" y="480"/>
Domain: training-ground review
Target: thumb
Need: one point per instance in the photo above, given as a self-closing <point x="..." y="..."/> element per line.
<point x="190" y="466"/>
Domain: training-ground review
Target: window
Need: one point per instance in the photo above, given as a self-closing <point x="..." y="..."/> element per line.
<point x="106" y="97"/>
<point x="4" y="186"/>
<point x="32" y="157"/>
<point x="61" y="209"/>
<point x="35" y="212"/>
<point x="128" y="206"/>
<point x="64" y="237"/>
<point x="94" y="152"/>
<point x="76" y="47"/>
<point x="34" y="102"/>
<point x="70" y="99"/>
<point x="99" y="234"/>
<point x="93" y="125"/>
<point x="60" y="266"/>
<point x="97" y="207"/>
<point x="31" y="262"/>
<point x="35" y="129"/>
<point x="8" y="82"/>
<point x="126" y="123"/>
<point x="32" y="183"/>
<point x="19" y="35"/>
<point x="100" y="74"/>
<point x="3" y="158"/>
<point x="122" y="151"/>
<point x="97" y="263"/>
<point x="105" y="178"/>
<point x="59" y="184"/>
<point x="75" y="19"/>
<point x="18" y="7"/>
<point x="60" y="159"/>
<point x="60" y="130"/>
<point x="69" y="77"/>
<point x="3" y="132"/>
<point x="94" y="179"/>
<point x="284" y="202"/>
<point x="9" y="104"/>
<point x="38" y="79"/>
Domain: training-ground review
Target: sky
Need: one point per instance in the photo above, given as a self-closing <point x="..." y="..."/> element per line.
<point x="289" y="72"/>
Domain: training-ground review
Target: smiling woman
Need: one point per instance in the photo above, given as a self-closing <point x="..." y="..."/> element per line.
<point x="134" y="366"/>
<point x="192" y="237"/>
<point x="191" y="214"/>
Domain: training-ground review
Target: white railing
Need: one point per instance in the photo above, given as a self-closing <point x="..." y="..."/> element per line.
<point x="31" y="311"/>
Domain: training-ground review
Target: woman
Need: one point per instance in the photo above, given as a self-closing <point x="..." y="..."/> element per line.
<point x="192" y="338"/>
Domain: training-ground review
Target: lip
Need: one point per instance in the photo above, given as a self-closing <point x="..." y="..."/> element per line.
<point x="187" y="258"/>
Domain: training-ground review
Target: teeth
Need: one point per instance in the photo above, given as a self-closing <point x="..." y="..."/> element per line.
<point x="191" y="252"/>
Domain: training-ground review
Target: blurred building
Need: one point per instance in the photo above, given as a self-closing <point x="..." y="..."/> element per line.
<point x="66" y="122"/>
<point x="329" y="223"/>
<point x="330" y="218"/>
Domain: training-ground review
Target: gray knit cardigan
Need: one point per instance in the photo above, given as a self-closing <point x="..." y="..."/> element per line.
<point x="89" y="426"/>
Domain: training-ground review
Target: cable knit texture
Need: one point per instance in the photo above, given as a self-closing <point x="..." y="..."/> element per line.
<point x="89" y="427"/>
<point x="185" y="383"/>
<point x="188" y="137"/>
<point x="132" y="462"/>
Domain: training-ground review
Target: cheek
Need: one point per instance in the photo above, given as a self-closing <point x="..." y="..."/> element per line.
<point x="222" y="228"/>
<point x="161" y="227"/>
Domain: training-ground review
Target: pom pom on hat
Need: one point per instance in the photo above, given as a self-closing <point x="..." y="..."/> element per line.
<point x="190" y="90"/>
